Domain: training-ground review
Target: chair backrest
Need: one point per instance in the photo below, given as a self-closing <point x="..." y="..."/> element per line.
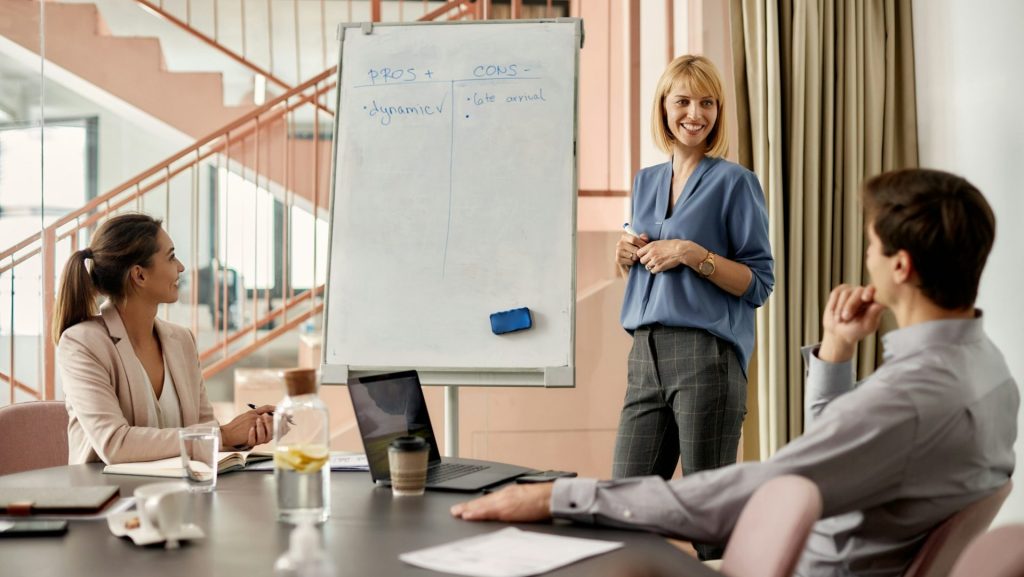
<point x="997" y="553"/>
<point x="945" y="542"/>
<point x="772" y="529"/>
<point x="35" y="436"/>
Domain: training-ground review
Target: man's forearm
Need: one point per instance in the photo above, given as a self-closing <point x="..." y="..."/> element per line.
<point x="825" y="380"/>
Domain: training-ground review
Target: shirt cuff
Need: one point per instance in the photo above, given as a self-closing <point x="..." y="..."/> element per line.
<point x="573" y="499"/>
<point x="825" y="378"/>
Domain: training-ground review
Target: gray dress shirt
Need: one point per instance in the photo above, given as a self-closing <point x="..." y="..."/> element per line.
<point x="931" y="431"/>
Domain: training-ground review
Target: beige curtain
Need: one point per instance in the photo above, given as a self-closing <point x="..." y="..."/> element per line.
<point x="825" y="90"/>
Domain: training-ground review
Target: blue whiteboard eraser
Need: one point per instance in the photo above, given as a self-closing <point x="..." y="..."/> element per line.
<point x="509" y="321"/>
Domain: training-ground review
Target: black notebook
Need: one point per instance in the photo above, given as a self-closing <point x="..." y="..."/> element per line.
<point x="56" y="500"/>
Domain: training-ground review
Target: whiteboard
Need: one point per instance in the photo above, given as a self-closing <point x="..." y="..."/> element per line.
<point x="454" y="197"/>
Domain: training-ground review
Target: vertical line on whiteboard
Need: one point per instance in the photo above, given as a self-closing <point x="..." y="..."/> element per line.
<point x="451" y="179"/>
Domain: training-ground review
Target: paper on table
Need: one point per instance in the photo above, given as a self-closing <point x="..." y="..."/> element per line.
<point x="507" y="553"/>
<point x="340" y="461"/>
<point x="349" y="462"/>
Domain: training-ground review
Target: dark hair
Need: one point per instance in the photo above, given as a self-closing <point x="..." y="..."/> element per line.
<point x="942" y="221"/>
<point x="120" y="243"/>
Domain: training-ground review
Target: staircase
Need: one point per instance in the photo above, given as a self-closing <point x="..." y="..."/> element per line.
<point x="277" y="153"/>
<point x="130" y="68"/>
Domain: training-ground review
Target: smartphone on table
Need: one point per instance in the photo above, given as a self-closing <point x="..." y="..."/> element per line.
<point x="32" y="528"/>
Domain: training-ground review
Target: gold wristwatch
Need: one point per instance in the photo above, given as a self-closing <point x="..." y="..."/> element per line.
<point x="706" y="267"/>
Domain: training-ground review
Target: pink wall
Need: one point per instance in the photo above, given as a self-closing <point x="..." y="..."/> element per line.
<point x="603" y="102"/>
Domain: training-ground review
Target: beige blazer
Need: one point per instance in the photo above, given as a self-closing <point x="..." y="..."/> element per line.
<point x="104" y="386"/>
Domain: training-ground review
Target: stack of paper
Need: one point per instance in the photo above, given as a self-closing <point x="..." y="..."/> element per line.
<point x="340" y="461"/>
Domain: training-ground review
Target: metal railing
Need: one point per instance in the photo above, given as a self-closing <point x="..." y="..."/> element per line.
<point x="273" y="162"/>
<point x="283" y="40"/>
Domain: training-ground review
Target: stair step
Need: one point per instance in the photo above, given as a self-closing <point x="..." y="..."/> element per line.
<point x="131" y="68"/>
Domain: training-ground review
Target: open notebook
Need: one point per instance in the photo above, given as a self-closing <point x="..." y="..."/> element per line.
<point x="171" y="466"/>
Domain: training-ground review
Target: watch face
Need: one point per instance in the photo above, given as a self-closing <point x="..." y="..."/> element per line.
<point x="707" y="267"/>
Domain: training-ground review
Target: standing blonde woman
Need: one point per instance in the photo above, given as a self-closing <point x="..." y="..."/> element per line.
<point x="699" y="267"/>
<point x="130" y="379"/>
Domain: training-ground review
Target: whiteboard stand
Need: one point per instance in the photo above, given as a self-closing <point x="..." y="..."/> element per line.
<point x="419" y="169"/>
<point x="451" y="421"/>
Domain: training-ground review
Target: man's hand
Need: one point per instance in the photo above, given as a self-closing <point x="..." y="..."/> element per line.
<point x="515" y="503"/>
<point x="850" y="315"/>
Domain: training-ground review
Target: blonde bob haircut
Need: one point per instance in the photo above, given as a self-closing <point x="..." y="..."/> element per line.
<point x="701" y="77"/>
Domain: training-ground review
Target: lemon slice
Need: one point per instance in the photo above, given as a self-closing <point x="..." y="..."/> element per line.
<point x="284" y="459"/>
<point x="301" y="458"/>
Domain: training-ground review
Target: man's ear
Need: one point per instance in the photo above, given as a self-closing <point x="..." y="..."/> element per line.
<point x="903" y="267"/>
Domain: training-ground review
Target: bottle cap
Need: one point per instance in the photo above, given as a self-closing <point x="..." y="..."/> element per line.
<point x="300" y="381"/>
<point x="409" y="444"/>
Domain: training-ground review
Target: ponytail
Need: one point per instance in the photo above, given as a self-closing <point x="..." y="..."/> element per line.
<point x="119" y="244"/>
<point x="76" y="300"/>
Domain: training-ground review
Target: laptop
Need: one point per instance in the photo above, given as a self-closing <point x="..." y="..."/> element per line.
<point x="392" y="405"/>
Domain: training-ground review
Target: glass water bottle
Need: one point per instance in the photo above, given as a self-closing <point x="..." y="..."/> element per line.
<point x="302" y="437"/>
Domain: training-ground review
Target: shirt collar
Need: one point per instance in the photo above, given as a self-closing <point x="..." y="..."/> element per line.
<point x="932" y="333"/>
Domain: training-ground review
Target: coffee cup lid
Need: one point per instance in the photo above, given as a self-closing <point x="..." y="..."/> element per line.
<point x="409" y="444"/>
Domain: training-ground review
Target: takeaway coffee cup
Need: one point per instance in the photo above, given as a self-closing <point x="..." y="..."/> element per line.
<point x="407" y="458"/>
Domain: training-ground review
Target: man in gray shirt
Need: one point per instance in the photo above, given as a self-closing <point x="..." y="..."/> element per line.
<point x="931" y="431"/>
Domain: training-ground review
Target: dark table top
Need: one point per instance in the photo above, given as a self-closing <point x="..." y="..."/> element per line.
<point x="367" y="531"/>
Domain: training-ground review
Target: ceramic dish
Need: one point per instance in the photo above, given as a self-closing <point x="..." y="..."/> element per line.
<point x="127" y="525"/>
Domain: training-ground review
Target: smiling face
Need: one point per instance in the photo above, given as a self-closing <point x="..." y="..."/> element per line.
<point x="159" y="280"/>
<point x="689" y="116"/>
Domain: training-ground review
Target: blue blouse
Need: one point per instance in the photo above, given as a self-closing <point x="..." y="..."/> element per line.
<point x="721" y="208"/>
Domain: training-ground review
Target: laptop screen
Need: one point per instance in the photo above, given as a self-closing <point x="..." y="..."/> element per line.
<point x="389" y="406"/>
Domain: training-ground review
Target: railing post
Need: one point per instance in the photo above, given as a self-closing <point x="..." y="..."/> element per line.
<point x="375" y="10"/>
<point x="49" y="256"/>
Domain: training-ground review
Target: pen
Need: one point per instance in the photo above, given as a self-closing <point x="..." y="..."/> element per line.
<point x="252" y="406"/>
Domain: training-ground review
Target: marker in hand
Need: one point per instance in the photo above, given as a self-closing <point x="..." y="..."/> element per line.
<point x="632" y="232"/>
<point x="253" y="406"/>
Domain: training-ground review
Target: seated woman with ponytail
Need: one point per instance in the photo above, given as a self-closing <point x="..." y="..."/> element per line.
<point x="130" y="379"/>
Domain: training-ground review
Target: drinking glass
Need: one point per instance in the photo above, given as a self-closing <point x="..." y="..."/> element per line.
<point x="199" y="455"/>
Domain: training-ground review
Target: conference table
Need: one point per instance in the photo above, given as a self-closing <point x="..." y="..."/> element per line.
<point x="367" y="531"/>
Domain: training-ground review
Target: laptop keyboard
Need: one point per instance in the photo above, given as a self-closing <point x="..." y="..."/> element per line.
<point x="448" y="471"/>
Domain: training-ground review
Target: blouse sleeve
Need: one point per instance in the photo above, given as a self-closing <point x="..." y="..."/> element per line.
<point x="747" y="224"/>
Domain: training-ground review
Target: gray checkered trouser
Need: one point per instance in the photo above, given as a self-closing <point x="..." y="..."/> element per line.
<point x="686" y="398"/>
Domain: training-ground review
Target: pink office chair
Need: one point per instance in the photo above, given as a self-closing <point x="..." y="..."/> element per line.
<point x="997" y="553"/>
<point x="772" y="529"/>
<point x="945" y="543"/>
<point x="34" y="436"/>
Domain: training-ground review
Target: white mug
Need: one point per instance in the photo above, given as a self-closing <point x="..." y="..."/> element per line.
<point x="163" y="508"/>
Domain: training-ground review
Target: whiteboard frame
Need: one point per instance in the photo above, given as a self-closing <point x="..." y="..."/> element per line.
<point x="558" y="376"/>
